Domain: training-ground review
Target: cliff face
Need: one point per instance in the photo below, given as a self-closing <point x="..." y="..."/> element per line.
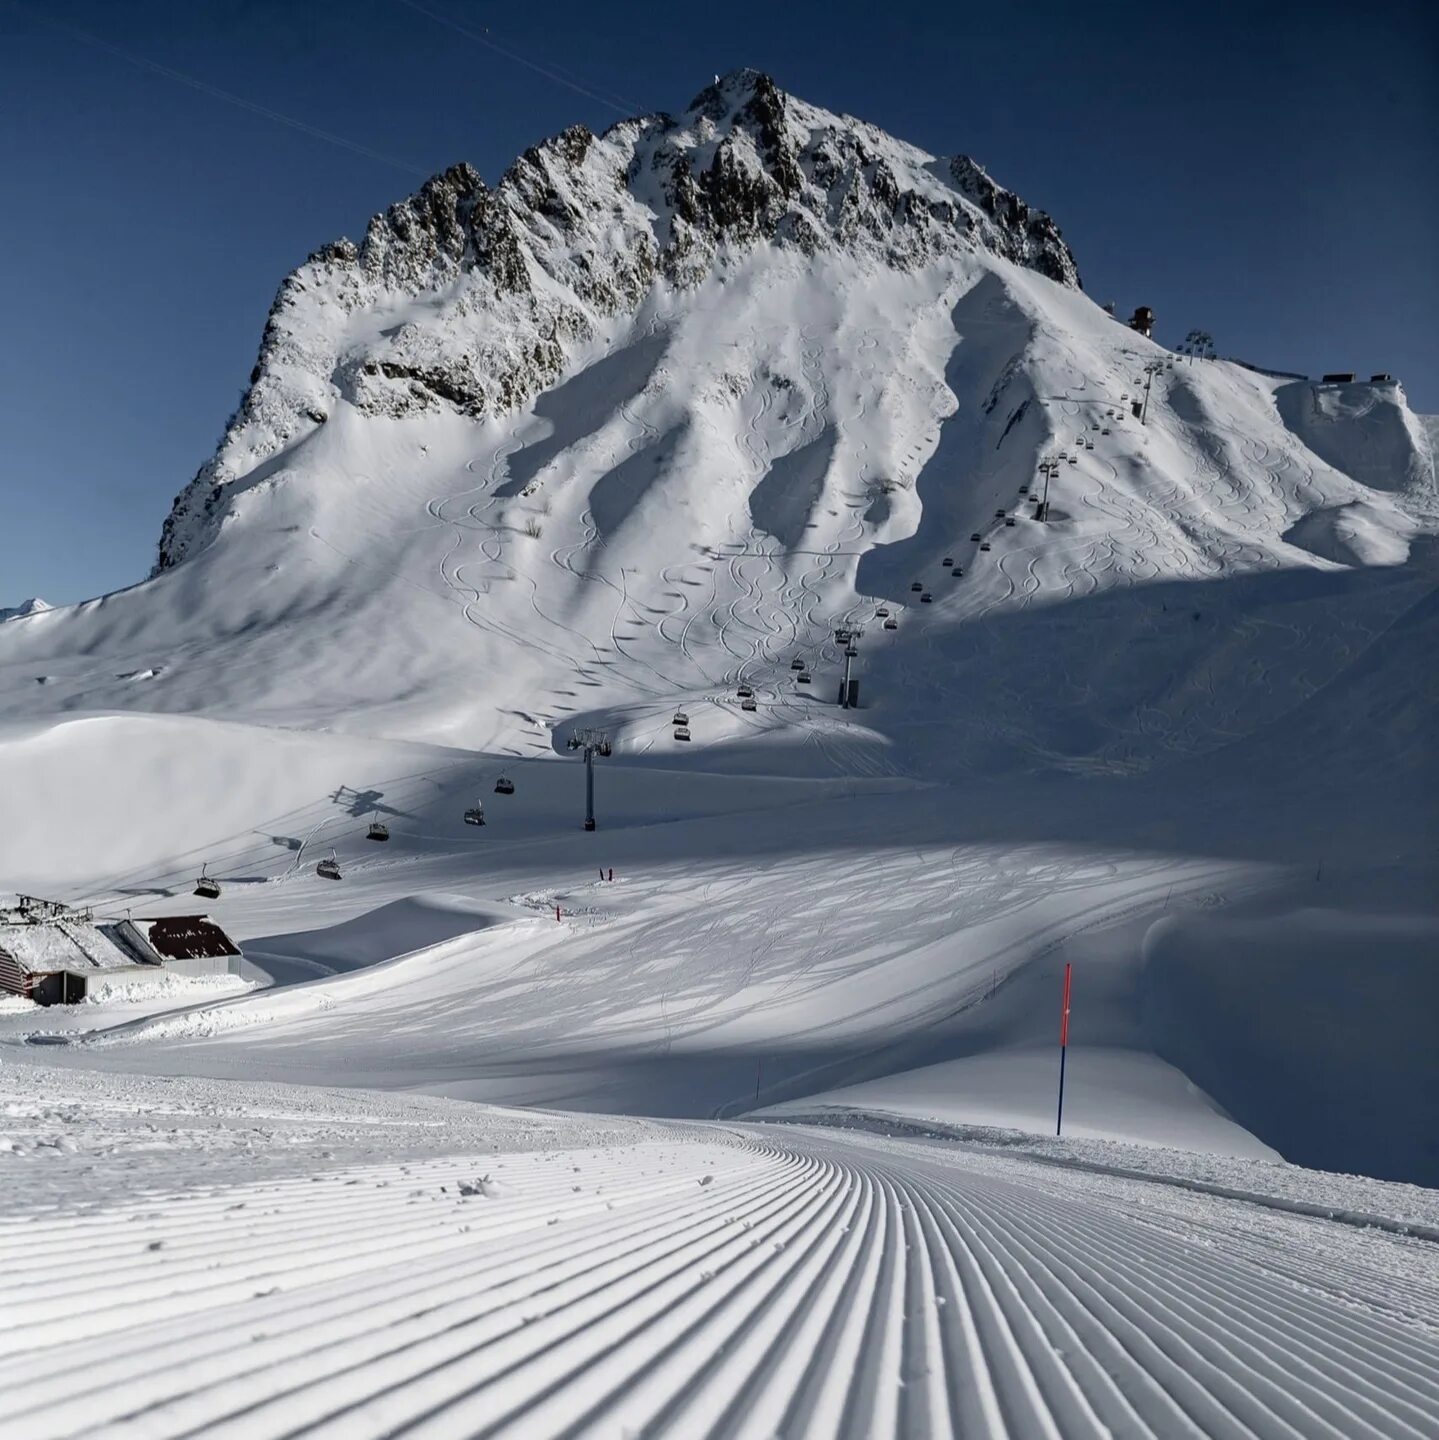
<point x="474" y="298"/>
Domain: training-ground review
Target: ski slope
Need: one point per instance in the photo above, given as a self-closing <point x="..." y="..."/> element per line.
<point x="746" y="1087"/>
<point x="552" y="1278"/>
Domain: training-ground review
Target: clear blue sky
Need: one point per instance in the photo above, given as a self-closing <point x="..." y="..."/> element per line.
<point x="1267" y="173"/>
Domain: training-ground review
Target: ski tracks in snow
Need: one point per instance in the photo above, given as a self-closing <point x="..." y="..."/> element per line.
<point x="749" y="1281"/>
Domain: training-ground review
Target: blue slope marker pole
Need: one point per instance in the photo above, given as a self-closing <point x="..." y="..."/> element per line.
<point x="1063" y="1049"/>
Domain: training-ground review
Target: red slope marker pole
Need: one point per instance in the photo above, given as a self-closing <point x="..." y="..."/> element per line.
<point x="1063" y="1049"/>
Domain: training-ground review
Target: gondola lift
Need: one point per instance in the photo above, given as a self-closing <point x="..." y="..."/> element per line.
<point x="207" y="887"/>
<point x="504" y="786"/>
<point x="329" y="869"/>
<point x="378" y="829"/>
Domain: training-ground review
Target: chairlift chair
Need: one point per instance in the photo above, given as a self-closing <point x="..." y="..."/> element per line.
<point x="744" y="692"/>
<point x="957" y="571"/>
<point x="504" y="786"/>
<point x="984" y="545"/>
<point x="882" y="612"/>
<point x="916" y="587"/>
<point x="378" y="829"/>
<point x="891" y="624"/>
<point x="803" y="677"/>
<point x="1010" y="520"/>
<point x="329" y="869"/>
<point x="604" y="748"/>
<point x="1024" y="489"/>
<point x="748" y="703"/>
<point x="475" y="815"/>
<point x="850" y="651"/>
<point x="999" y="514"/>
<point x="796" y="663"/>
<point x="948" y="561"/>
<point x="681" y="733"/>
<point x="1074" y="459"/>
<point x="1105" y="431"/>
<point x="680" y="718"/>
<point x="207" y="887"/>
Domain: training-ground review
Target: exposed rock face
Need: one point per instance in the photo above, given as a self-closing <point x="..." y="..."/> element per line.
<point x="473" y="299"/>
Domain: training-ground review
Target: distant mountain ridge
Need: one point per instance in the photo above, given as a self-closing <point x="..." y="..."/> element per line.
<point x="578" y="231"/>
<point x="34" y="606"/>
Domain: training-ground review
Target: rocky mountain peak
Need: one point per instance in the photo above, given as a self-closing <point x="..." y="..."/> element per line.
<point x="515" y="278"/>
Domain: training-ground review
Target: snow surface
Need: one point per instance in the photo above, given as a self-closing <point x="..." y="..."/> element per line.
<point x="1178" y="737"/>
<point x="253" y="1259"/>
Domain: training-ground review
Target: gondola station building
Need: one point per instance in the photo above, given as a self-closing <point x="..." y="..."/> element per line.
<point x="56" y="955"/>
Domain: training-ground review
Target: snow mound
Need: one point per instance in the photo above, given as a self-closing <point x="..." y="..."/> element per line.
<point x="24" y="609"/>
<point x="1357" y="533"/>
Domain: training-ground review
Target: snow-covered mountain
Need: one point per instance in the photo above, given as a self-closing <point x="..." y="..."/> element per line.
<point x="473" y="300"/>
<point x="643" y="424"/>
<point x="34" y="606"/>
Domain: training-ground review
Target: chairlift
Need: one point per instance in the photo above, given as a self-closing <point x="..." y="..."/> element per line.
<point x="1105" y="431"/>
<point x="974" y="539"/>
<point x="891" y="624"/>
<point x="681" y="733"/>
<point x="1074" y="459"/>
<point x="475" y="815"/>
<point x="748" y="703"/>
<point x="1024" y="489"/>
<point x="882" y="613"/>
<point x="207" y="887"/>
<point x="744" y="692"/>
<point x="957" y="571"/>
<point x="1010" y="520"/>
<point x="604" y="748"/>
<point x="1089" y="444"/>
<point x="985" y="545"/>
<point x="948" y="561"/>
<point x="681" y="718"/>
<point x="926" y="598"/>
<point x="329" y="869"/>
<point x="850" y="651"/>
<point x="504" y="786"/>
<point x="803" y="677"/>
<point x="796" y="663"/>
<point x="378" y="829"/>
<point x="916" y="587"/>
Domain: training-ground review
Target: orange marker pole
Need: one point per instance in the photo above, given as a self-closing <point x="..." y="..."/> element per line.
<point x="1063" y="1048"/>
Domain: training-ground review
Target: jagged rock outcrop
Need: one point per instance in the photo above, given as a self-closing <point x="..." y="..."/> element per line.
<point x="474" y="299"/>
